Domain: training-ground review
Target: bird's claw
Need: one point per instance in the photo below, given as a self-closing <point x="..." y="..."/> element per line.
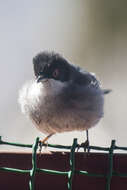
<point x="85" y="146"/>
<point x="41" y="144"/>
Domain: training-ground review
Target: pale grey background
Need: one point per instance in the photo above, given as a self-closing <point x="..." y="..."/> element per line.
<point x="90" y="33"/>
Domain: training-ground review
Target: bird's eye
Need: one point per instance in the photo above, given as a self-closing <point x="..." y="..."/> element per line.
<point x="55" y="73"/>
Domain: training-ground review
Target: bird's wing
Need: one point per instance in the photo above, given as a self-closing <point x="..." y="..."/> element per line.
<point x="85" y="78"/>
<point x="80" y="96"/>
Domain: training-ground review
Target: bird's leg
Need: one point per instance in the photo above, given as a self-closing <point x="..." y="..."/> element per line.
<point x="42" y="142"/>
<point x="85" y="145"/>
<point x="46" y="138"/>
<point x="87" y="141"/>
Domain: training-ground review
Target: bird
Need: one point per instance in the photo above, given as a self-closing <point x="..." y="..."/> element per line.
<point x="62" y="97"/>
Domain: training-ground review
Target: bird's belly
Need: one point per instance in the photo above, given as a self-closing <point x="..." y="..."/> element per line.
<point x="55" y="115"/>
<point x="68" y="121"/>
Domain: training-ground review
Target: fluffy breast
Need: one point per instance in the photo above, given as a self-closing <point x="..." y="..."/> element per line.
<point x="30" y="96"/>
<point x="55" y="107"/>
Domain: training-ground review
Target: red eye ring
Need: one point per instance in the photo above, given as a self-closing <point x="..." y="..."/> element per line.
<point x="55" y="73"/>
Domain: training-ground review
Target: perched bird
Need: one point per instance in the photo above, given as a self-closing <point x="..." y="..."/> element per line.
<point x="62" y="97"/>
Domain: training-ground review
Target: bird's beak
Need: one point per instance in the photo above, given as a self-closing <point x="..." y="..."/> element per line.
<point x="40" y="78"/>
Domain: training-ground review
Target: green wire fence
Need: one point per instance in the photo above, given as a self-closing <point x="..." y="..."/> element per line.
<point x="72" y="170"/>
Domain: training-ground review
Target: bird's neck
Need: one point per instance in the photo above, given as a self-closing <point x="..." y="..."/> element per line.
<point x="53" y="87"/>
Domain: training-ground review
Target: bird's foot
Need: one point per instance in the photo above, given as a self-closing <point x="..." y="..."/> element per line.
<point x="85" y="146"/>
<point x="44" y="142"/>
<point x="40" y="147"/>
<point x="41" y="144"/>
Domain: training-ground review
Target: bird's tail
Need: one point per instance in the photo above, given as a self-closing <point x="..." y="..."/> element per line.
<point x="106" y="91"/>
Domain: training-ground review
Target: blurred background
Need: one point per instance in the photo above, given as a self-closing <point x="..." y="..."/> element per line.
<point x="90" y="33"/>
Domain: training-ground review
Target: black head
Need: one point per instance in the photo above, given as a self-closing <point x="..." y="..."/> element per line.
<point x="49" y="65"/>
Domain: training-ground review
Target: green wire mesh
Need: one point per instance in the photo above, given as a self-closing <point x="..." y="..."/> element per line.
<point x="72" y="170"/>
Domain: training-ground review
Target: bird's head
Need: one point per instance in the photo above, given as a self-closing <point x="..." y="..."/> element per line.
<point x="49" y="65"/>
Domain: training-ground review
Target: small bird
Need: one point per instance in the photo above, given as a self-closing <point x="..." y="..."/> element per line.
<point x="63" y="97"/>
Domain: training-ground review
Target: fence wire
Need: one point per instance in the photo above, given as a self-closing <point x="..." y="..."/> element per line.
<point x="72" y="170"/>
